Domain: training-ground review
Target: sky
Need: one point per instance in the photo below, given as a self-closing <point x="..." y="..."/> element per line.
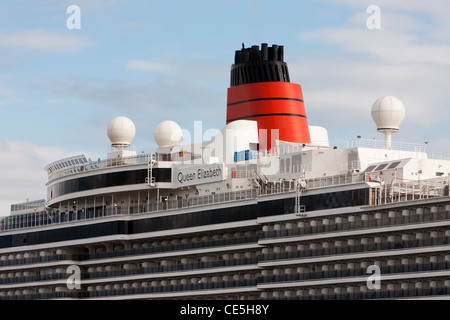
<point x="156" y="60"/>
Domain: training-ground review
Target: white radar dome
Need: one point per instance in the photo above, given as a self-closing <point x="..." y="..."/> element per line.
<point x="121" y="132"/>
<point x="388" y="113"/>
<point x="168" y="133"/>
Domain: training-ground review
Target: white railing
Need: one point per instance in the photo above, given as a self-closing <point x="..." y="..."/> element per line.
<point x="100" y="164"/>
<point x="29" y="205"/>
<point x="401" y="190"/>
<point x="51" y="217"/>
<point x="281" y="150"/>
<point x="379" y="144"/>
<point x="328" y="181"/>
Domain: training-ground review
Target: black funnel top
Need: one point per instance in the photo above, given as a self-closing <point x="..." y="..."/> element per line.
<point x="254" y="65"/>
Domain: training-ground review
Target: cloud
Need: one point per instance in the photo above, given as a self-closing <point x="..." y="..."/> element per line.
<point x="142" y="65"/>
<point x="389" y="46"/>
<point x="44" y="40"/>
<point x="353" y="66"/>
<point x="190" y="88"/>
<point x="348" y="88"/>
<point x="22" y="171"/>
<point x="431" y="16"/>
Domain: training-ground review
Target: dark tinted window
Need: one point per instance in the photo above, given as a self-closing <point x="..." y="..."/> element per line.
<point x="110" y="180"/>
<point x="393" y="165"/>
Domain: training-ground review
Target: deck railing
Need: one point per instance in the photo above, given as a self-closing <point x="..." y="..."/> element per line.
<point x="99" y="164"/>
<point x="52" y="216"/>
<point x="401" y="190"/>
<point x="398" y="192"/>
<point x="44" y="217"/>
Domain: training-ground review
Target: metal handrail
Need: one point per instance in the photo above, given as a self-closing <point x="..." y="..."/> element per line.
<point x="52" y="217"/>
<point x="101" y="164"/>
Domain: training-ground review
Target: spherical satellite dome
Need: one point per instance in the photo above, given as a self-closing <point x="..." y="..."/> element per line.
<point x="121" y="132"/>
<point x="168" y="133"/>
<point x="388" y="113"/>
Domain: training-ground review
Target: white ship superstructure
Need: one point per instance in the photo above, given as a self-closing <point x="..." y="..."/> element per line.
<point x="228" y="219"/>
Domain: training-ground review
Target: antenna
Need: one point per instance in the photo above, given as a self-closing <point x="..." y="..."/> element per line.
<point x="121" y="132"/>
<point x="388" y="113"/>
<point x="168" y="134"/>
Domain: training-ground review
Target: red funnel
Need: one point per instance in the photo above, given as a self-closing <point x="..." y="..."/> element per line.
<point x="260" y="90"/>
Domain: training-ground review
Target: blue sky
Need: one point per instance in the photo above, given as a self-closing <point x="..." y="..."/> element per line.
<point x="158" y="60"/>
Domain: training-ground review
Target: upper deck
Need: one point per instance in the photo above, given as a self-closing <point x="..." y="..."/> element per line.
<point x="377" y="194"/>
<point x="320" y="167"/>
<point x="81" y="163"/>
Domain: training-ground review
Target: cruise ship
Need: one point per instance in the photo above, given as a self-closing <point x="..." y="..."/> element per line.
<point x="266" y="209"/>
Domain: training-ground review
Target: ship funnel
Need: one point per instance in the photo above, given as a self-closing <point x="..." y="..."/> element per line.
<point x="388" y="113"/>
<point x="260" y="90"/>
